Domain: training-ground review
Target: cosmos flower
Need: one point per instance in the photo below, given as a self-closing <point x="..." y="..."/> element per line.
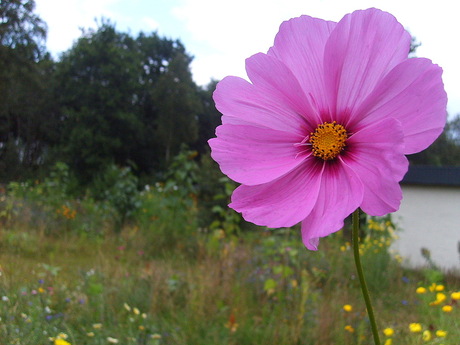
<point x="325" y="122"/>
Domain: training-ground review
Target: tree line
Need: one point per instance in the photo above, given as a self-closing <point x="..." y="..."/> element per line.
<point x="112" y="98"/>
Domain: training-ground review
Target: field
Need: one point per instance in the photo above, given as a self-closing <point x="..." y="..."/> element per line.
<point x="75" y="271"/>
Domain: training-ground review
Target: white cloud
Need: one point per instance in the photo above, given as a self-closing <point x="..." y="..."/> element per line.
<point x="234" y="30"/>
<point x="65" y="18"/>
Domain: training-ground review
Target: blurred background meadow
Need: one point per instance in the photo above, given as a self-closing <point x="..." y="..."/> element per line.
<point x="114" y="225"/>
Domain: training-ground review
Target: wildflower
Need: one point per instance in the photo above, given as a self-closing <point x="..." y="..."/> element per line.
<point x="347" y="308"/>
<point x="426" y="335"/>
<point x="232" y="325"/>
<point x="440" y="333"/>
<point x="90" y="334"/>
<point x="136" y="311"/>
<point x="349" y="328"/>
<point x="41" y="290"/>
<point x="420" y="290"/>
<point x="447" y="308"/>
<point x="455" y="295"/>
<point x="325" y="122"/>
<point x="415" y="327"/>
<point x="388" y="332"/>
<point x="440" y="297"/>
<point x="62" y="335"/>
<point x="439" y="288"/>
<point x="60" y="341"/>
<point x="112" y="340"/>
<point x="156" y="336"/>
<point x="97" y="325"/>
<point x="126" y="306"/>
<point x="389" y="341"/>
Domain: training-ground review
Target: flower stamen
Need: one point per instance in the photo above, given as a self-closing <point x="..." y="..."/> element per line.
<point x="328" y="140"/>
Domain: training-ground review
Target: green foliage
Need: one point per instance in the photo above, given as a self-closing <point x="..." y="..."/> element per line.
<point x="176" y="100"/>
<point x="27" y="108"/>
<point x="168" y="210"/>
<point x="445" y="151"/>
<point x="118" y="187"/>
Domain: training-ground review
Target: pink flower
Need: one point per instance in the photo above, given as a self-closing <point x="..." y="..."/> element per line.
<point x="325" y="122"/>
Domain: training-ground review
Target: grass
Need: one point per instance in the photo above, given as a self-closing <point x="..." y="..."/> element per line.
<point x="261" y="287"/>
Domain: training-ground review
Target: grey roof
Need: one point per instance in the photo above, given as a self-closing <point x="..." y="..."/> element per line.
<point x="432" y="175"/>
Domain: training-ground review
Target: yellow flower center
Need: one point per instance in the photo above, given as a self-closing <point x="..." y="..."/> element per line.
<point x="328" y="140"/>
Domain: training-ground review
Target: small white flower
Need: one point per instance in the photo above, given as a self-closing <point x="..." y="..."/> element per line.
<point x="112" y="340"/>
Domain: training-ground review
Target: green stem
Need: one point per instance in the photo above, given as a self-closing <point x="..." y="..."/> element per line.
<point x="362" y="281"/>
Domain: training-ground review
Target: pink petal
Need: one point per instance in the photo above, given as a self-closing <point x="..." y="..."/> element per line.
<point x="341" y="193"/>
<point x="364" y="46"/>
<point x="252" y="155"/>
<point x="412" y="93"/>
<point x="270" y="74"/>
<point x="376" y="154"/>
<point x="300" y="45"/>
<point x="242" y="103"/>
<point x="283" y="202"/>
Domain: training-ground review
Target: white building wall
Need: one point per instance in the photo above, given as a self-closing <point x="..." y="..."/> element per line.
<point x="429" y="217"/>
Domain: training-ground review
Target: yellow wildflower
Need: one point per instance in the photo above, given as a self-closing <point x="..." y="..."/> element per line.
<point x="156" y="336"/>
<point x="432" y="287"/>
<point x="41" y="290"/>
<point x="136" y="311"/>
<point x="60" y="341"/>
<point x="440" y="333"/>
<point x="439" y="288"/>
<point x="426" y="336"/>
<point x="440" y="297"/>
<point x="126" y="306"/>
<point x="447" y="308"/>
<point x="415" y="327"/>
<point x="389" y="341"/>
<point x="388" y="332"/>
<point x="347" y="307"/>
<point x="349" y="328"/>
<point x="420" y="290"/>
<point x="97" y="325"/>
<point x="90" y="334"/>
<point x="455" y="295"/>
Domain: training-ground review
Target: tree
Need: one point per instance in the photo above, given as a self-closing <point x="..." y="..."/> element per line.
<point x="445" y="151"/>
<point x="124" y="101"/>
<point x="208" y="118"/>
<point x="97" y="88"/>
<point x="178" y="105"/>
<point x="26" y="106"/>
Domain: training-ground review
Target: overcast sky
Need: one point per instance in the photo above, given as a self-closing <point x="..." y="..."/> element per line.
<point x="222" y="34"/>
